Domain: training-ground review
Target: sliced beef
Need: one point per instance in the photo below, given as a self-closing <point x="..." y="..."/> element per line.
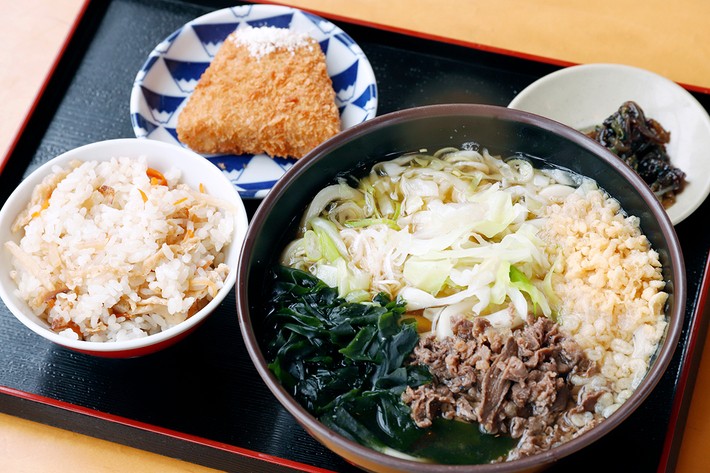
<point x="514" y="383"/>
<point x="496" y="384"/>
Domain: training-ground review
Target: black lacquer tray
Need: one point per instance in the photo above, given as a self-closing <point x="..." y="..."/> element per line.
<point x="202" y="400"/>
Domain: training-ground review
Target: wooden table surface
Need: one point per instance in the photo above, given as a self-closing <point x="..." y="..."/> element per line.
<point x="670" y="38"/>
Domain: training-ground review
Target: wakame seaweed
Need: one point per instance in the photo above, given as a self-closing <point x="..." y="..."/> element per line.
<point x="344" y="361"/>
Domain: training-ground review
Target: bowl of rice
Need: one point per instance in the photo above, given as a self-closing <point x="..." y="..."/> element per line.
<point x="120" y="248"/>
<point x="460" y="288"/>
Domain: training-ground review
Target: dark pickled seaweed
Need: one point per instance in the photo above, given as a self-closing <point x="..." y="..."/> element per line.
<point x="641" y="142"/>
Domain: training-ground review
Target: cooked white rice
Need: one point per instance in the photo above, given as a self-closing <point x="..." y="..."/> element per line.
<point x="109" y="254"/>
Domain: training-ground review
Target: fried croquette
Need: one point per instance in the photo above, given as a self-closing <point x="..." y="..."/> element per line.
<point x="266" y="91"/>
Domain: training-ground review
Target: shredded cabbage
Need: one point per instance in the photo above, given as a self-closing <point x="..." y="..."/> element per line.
<point x="451" y="233"/>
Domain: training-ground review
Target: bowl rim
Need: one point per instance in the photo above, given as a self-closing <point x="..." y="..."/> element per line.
<point x="136" y="147"/>
<point x="311" y="424"/>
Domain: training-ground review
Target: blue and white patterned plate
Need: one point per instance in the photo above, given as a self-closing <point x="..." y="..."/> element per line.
<point x="167" y="78"/>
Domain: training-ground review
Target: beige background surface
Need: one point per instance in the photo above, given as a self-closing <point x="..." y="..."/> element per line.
<point x="670" y="38"/>
<point x="31" y="37"/>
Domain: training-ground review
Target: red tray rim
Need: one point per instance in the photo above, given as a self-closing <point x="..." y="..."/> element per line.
<point x="691" y="356"/>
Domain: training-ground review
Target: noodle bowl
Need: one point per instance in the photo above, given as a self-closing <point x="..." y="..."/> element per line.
<point x="465" y="238"/>
<point x="321" y="199"/>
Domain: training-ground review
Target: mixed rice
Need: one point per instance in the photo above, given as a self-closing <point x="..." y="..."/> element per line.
<point x="116" y="250"/>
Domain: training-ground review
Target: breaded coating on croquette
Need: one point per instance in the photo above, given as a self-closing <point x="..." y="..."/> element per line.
<point x="266" y="91"/>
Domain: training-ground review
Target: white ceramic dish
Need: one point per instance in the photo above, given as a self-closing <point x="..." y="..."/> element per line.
<point x="583" y="96"/>
<point x="169" y="75"/>
<point x="161" y="156"/>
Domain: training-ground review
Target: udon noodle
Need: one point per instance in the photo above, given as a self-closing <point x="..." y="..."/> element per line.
<point x="539" y="302"/>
